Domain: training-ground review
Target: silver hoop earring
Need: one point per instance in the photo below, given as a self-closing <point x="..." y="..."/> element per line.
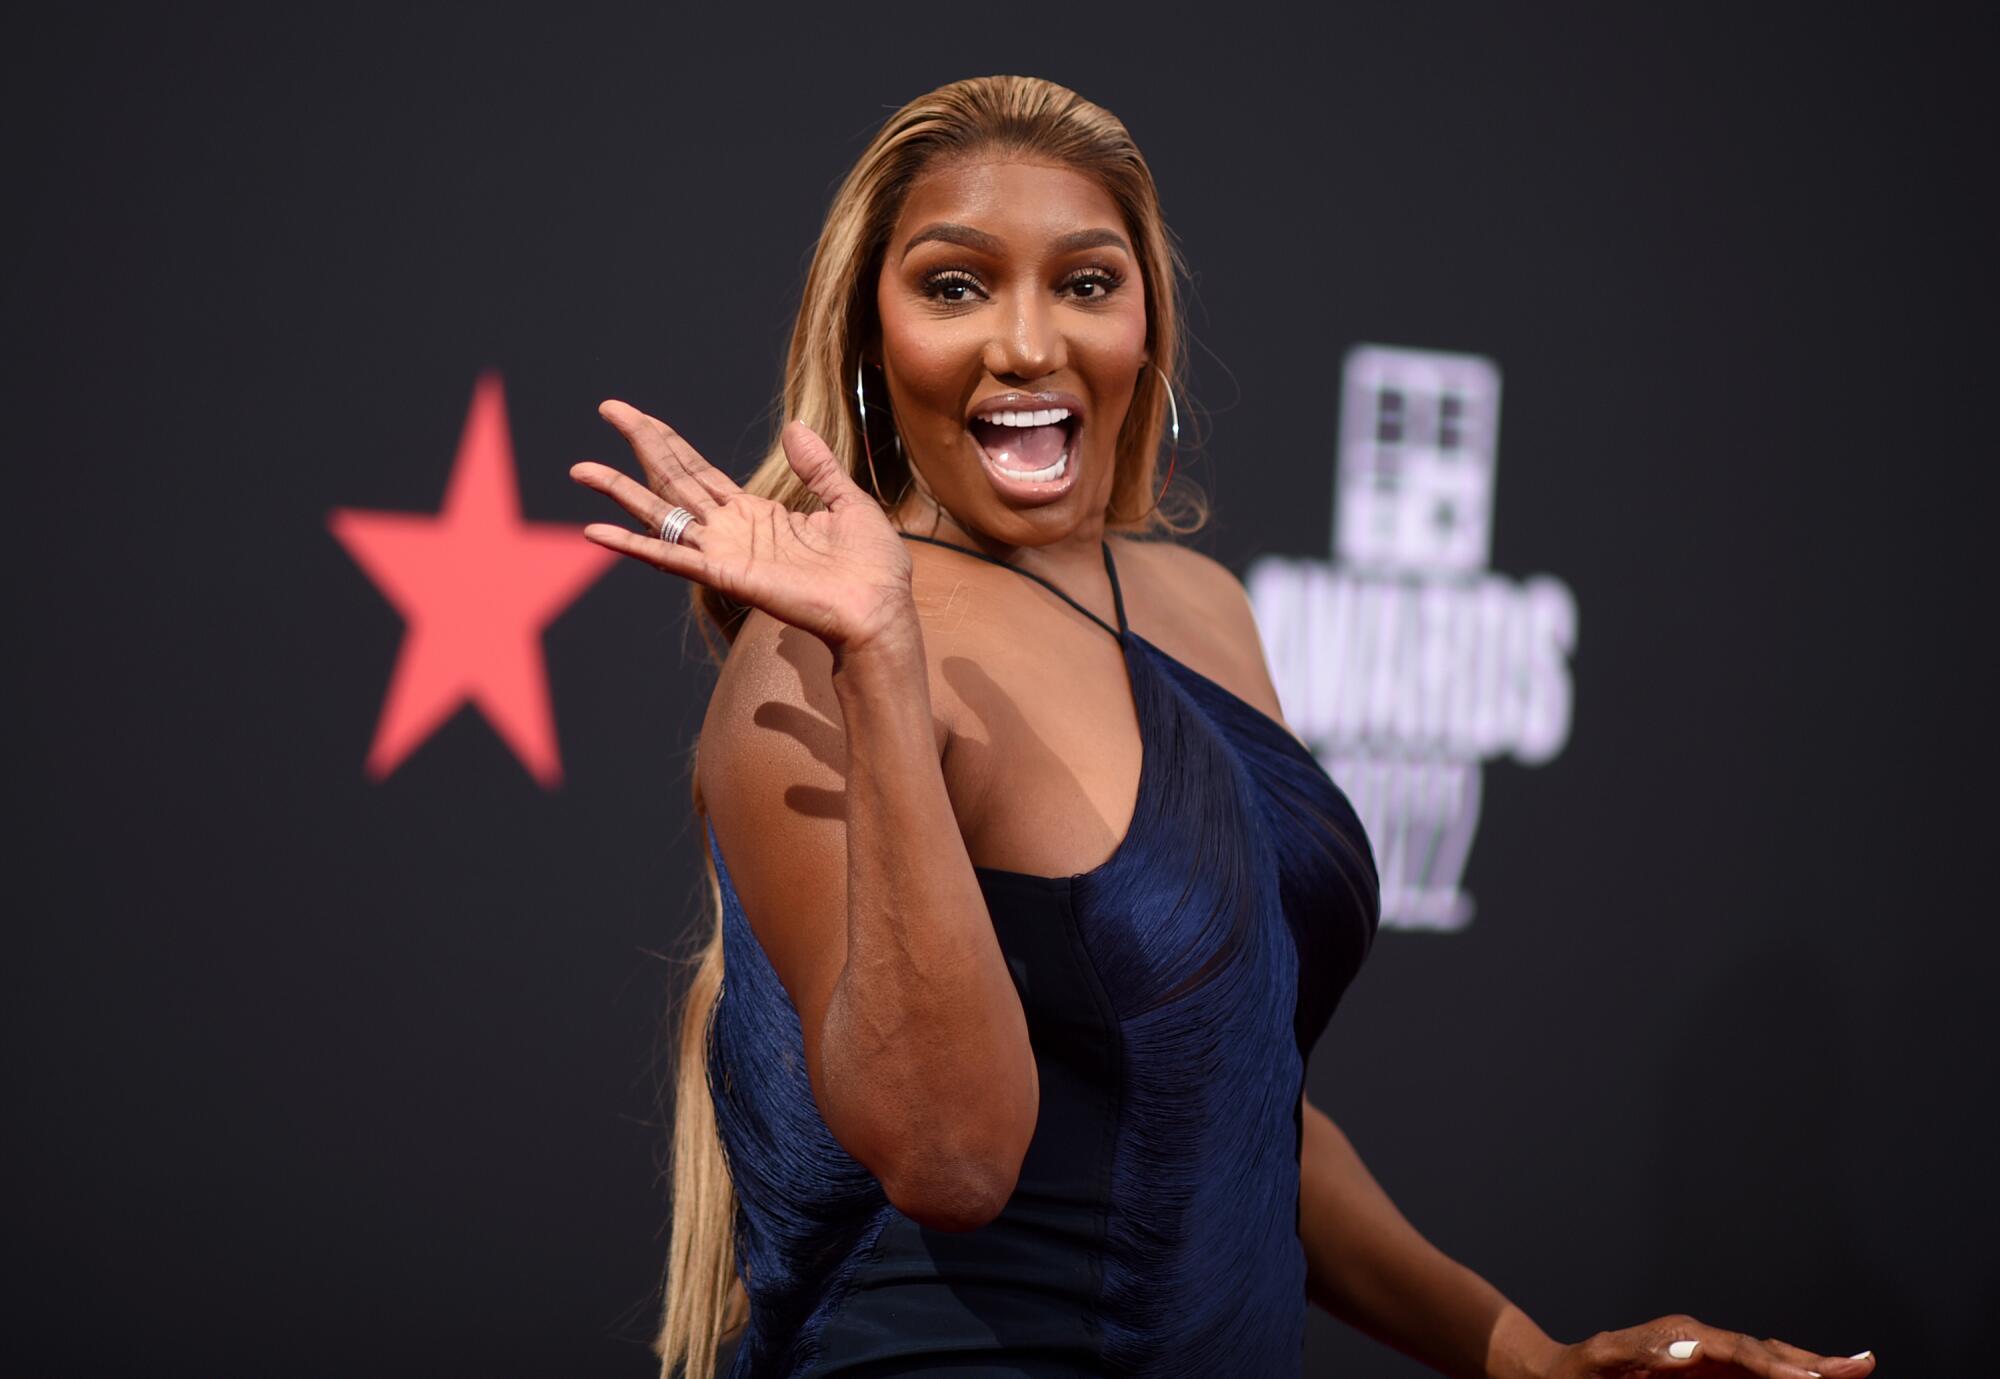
<point x="1173" y="440"/>
<point x="861" y="401"/>
<point x="867" y="447"/>
<point x="1173" y="408"/>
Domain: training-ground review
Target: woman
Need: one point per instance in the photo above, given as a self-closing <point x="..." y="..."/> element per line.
<point x="1029" y="909"/>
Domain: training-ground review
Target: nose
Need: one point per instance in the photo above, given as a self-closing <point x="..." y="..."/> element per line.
<point x="1027" y="344"/>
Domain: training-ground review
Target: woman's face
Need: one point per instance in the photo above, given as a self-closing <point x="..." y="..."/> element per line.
<point x="1010" y="295"/>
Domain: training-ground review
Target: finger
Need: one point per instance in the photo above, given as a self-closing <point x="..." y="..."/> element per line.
<point x="1827" y="1366"/>
<point x="655" y="440"/>
<point x="1831" y="1366"/>
<point x="813" y="460"/>
<point x="634" y="497"/>
<point x="1728" y="1352"/>
<point x="674" y="469"/>
<point x="684" y="561"/>
<point x="1811" y="1362"/>
<point x="1803" y="1358"/>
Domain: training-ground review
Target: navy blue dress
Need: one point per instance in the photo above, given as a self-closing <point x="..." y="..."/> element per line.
<point x="1173" y="995"/>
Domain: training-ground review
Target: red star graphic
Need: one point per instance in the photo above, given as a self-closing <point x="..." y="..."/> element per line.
<point x="475" y="585"/>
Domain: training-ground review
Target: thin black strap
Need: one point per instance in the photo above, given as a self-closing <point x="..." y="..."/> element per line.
<point x="1117" y="597"/>
<point x="1117" y="594"/>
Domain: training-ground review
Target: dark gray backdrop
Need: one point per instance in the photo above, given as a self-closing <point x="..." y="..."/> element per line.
<point x="321" y="1076"/>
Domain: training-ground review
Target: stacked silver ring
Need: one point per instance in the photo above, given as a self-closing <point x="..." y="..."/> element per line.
<point x="675" y="522"/>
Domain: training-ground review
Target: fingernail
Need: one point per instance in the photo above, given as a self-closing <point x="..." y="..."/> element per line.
<point x="1862" y="1356"/>
<point x="1680" y="1350"/>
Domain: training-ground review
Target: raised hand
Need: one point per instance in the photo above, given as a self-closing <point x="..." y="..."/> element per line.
<point x="1684" y="1348"/>
<point x="841" y="574"/>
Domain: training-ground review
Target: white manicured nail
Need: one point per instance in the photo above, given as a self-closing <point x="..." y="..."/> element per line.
<point x="1862" y="1356"/>
<point x="1680" y="1350"/>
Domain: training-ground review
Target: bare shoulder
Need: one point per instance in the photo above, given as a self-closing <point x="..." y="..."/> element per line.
<point x="1187" y="586"/>
<point x="773" y="747"/>
<point x="1195" y="608"/>
<point x="774" y="726"/>
<point x="1194" y="576"/>
<point x="773" y="677"/>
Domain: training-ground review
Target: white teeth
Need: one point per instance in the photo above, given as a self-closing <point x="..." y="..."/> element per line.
<point x="1042" y="418"/>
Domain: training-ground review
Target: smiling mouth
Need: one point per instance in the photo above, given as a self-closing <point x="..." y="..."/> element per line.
<point x="1024" y="446"/>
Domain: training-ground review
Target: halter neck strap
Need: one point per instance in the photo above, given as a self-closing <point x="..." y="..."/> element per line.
<point x="1110" y="568"/>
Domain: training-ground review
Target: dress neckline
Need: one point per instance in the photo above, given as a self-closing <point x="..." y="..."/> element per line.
<point x="1127" y="640"/>
<point x="1243" y="707"/>
<point x="1137" y="648"/>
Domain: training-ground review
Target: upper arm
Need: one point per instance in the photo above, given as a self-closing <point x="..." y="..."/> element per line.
<point x="772" y="768"/>
<point x="772" y="764"/>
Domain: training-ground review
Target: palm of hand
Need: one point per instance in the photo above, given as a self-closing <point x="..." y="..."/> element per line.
<point x="840" y="573"/>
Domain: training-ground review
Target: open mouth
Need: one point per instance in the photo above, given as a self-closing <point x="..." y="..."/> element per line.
<point x="1028" y="445"/>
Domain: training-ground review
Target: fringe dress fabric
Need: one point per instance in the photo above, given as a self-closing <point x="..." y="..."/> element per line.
<point x="1173" y="995"/>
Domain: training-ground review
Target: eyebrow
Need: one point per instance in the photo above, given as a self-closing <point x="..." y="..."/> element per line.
<point x="991" y="244"/>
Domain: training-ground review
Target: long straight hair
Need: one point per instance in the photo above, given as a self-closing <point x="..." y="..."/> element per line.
<point x="706" y="1303"/>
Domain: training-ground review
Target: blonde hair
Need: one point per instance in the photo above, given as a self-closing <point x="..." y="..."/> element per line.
<point x="706" y="1303"/>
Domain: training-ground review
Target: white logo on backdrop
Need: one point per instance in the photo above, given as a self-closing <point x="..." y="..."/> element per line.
<point x="1405" y="662"/>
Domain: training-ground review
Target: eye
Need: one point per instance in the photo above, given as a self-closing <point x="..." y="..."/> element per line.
<point x="941" y="286"/>
<point x="1103" y="280"/>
